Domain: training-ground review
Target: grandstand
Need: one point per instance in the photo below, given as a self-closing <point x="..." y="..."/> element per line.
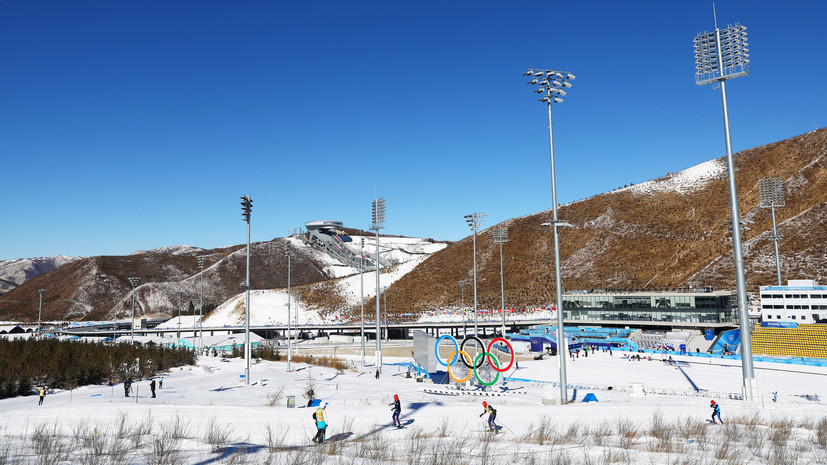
<point x="803" y="340"/>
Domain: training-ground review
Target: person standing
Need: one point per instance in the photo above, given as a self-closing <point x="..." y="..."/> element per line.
<point x="716" y="411"/>
<point x="127" y="385"/>
<point x="492" y="415"/>
<point x="321" y="424"/>
<point x="42" y="395"/>
<point x="397" y="408"/>
<point x="152" y="387"/>
<point x="161" y="382"/>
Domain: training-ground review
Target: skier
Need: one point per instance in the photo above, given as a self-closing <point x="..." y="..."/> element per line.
<point x="127" y="384"/>
<point x="716" y="410"/>
<point x="397" y="408"/>
<point x="42" y="395"/>
<point x="152" y="387"/>
<point x="492" y="414"/>
<point x="321" y="425"/>
<point x="161" y="382"/>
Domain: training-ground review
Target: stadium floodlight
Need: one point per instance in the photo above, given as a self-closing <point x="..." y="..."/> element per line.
<point x="246" y="208"/>
<point x="713" y="66"/>
<point x="201" y="260"/>
<point x="362" y="294"/>
<point x="287" y="254"/>
<point x="474" y="220"/>
<point x="40" y="292"/>
<point x="377" y="223"/>
<point x="500" y="234"/>
<point x="134" y="282"/>
<point x="772" y="195"/>
<point x="462" y="284"/>
<point x="551" y="92"/>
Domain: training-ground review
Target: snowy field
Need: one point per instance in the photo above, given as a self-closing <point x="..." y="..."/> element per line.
<point x="205" y="414"/>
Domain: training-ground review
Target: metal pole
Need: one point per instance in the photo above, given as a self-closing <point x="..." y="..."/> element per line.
<point x="201" y="308"/>
<point x="40" y="311"/>
<point x="502" y="289"/>
<point x="775" y="243"/>
<point x="362" y="294"/>
<point x="475" y="277"/>
<point x="180" y="304"/>
<point x="561" y="337"/>
<point x="247" y="311"/>
<point x="132" y="324"/>
<point x="462" y="290"/>
<point x="289" y="339"/>
<point x="378" y="322"/>
<point x="750" y="387"/>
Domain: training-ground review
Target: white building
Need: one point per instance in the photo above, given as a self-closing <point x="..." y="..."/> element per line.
<point x="800" y="301"/>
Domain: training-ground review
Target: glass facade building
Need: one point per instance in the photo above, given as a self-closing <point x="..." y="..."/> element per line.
<point x="667" y="308"/>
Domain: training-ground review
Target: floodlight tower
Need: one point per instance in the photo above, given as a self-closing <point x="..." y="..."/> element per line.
<point x="772" y="195"/>
<point x="246" y="208"/>
<point x="362" y="293"/>
<point x="289" y="343"/>
<point x="201" y="260"/>
<point x="500" y="236"/>
<point x="722" y="55"/>
<point x="134" y="282"/>
<point x="551" y="84"/>
<point x="40" y="292"/>
<point x="462" y="284"/>
<point x="474" y="220"/>
<point x="377" y="223"/>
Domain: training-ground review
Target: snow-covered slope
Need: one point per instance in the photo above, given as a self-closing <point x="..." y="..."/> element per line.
<point x="270" y="306"/>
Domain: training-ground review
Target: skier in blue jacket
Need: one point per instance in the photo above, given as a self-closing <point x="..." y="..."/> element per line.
<point x="397" y="409"/>
<point x="492" y="415"/>
<point x="716" y="411"/>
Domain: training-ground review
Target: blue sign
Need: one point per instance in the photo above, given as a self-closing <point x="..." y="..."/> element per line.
<point x="778" y="324"/>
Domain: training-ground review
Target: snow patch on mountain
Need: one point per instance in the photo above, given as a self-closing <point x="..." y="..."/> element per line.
<point x="683" y="182"/>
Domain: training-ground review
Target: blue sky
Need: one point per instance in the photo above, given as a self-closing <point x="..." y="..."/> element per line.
<point x="134" y="125"/>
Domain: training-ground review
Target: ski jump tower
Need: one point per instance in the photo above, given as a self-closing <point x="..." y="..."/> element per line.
<point x="328" y="236"/>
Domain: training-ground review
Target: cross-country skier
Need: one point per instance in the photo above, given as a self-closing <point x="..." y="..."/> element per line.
<point x="321" y="425"/>
<point x="42" y="395"/>
<point x="492" y="414"/>
<point x="397" y="408"/>
<point x="716" y="410"/>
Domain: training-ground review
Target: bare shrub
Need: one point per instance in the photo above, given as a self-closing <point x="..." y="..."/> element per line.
<point x="177" y="428"/>
<point x="627" y="432"/>
<point x="274" y="397"/>
<point x="600" y="432"/>
<point x="821" y="433"/>
<point x="47" y="445"/>
<point x="415" y="446"/>
<point x="216" y="436"/>
<point x="274" y="438"/>
<point x="163" y="450"/>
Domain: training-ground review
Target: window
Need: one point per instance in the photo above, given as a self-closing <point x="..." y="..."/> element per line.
<point x="793" y="317"/>
<point x="777" y="317"/>
<point x="766" y="306"/>
<point x="777" y="306"/>
<point x="769" y="317"/>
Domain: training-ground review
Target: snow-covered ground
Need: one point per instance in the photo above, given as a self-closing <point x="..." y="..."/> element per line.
<point x="441" y="425"/>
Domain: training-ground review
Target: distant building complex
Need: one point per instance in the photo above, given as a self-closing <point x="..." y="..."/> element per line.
<point x="800" y="301"/>
<point x="690" y="308"/>
<point x="329" y="236"/>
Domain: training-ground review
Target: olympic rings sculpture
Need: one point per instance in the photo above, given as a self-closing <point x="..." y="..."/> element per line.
<point x="460" y="353"/>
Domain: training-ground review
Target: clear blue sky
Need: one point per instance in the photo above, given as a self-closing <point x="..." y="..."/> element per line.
<point x="130" y="125"/>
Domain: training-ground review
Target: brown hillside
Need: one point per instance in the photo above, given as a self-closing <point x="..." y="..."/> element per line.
<point x="98" y="287"/>
<point x="630" y="238"/>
